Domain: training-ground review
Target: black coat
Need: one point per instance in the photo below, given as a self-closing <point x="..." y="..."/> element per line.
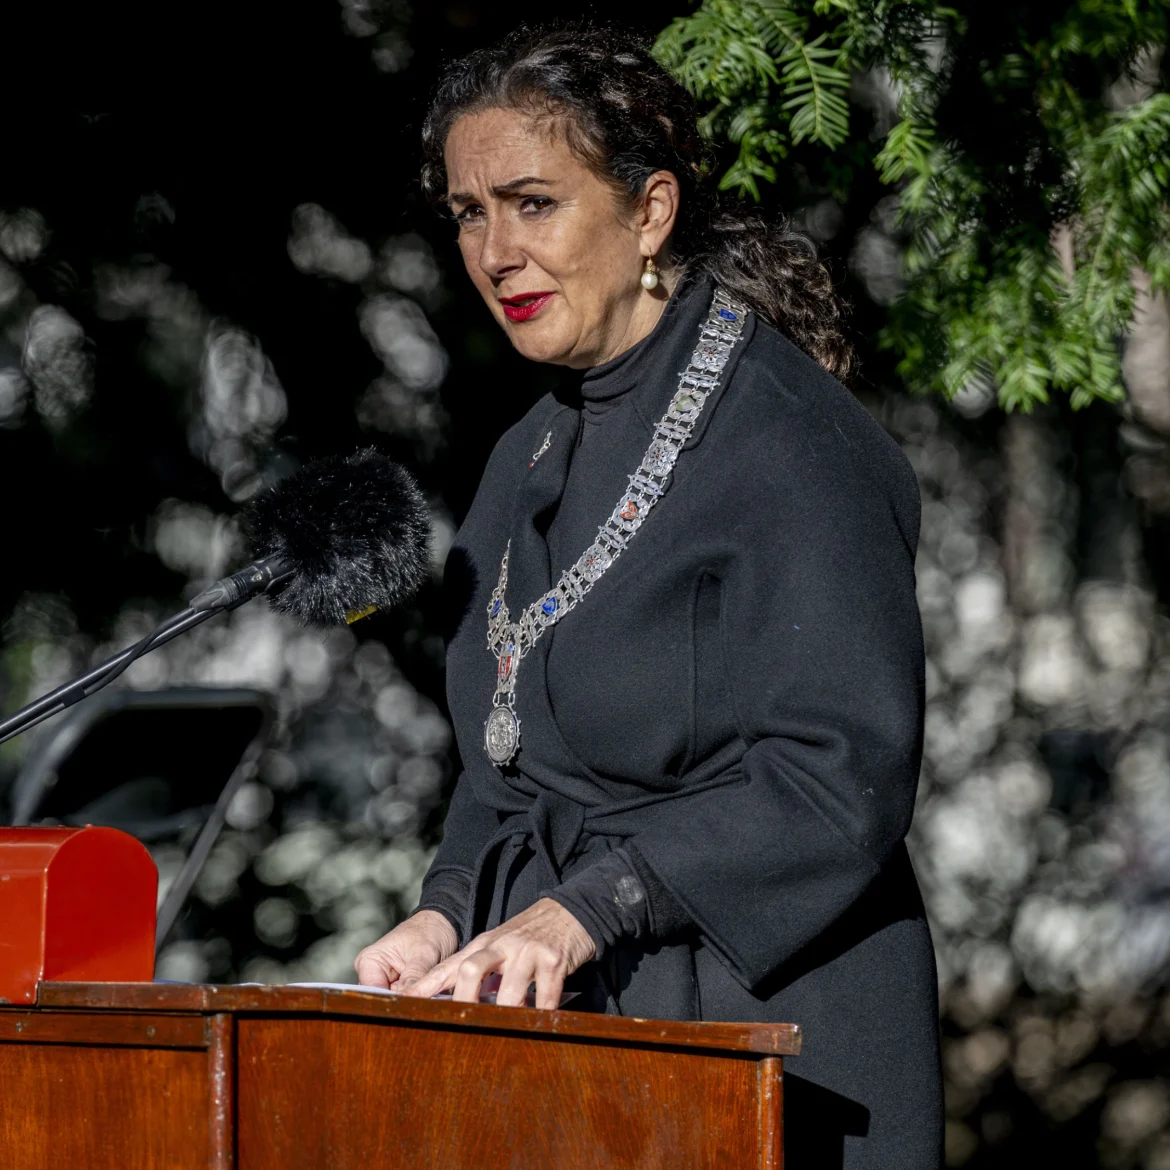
<point x="740" y="698"/>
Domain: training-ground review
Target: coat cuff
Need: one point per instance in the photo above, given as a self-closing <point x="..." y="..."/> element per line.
<point x="667" y="916"/>
<point x="620" y="897"/>
<point x="449" y="892"/>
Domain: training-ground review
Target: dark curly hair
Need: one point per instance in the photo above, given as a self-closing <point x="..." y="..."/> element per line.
<point x="627" y="118"/>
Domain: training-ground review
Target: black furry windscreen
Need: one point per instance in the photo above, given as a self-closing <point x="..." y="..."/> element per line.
<point x="355" y="529"/>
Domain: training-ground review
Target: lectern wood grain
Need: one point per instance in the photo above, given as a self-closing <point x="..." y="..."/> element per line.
<point x="110" y="1076"/>
<point x="452" y="1100"/>
<point x="766" y="1039"/>
<point x="107" y="1030"/>
<point x="92" y="1108"/>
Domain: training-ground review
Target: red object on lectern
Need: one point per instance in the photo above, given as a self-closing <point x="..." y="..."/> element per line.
<point x="75" y="905"/>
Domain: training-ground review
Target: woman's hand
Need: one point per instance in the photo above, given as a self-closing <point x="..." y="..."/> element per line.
<point x="408" y="952"/>
<point x="544" y="943"/>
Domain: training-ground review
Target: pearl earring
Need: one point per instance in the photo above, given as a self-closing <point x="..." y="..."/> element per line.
<point x="650" y="276"/>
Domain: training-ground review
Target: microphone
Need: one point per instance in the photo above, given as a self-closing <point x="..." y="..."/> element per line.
<point x="228" y="592"/>
<point x="338" y="539"/>
<point x="353" y="534"/>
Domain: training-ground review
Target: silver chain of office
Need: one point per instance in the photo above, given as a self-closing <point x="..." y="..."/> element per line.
<point x="510" y="641"/>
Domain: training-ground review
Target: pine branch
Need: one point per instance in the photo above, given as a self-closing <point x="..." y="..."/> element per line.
<point x="1002" y="135"/>
<point x="759" y="55"/>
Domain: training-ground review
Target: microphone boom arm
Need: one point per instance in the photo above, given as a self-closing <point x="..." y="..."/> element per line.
<point x="229" y="593"/>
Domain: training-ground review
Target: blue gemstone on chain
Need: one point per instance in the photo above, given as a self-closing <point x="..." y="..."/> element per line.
<point x="728" y="315"/>
<point x="549" y="606"/>
<point x="495" y="607"/>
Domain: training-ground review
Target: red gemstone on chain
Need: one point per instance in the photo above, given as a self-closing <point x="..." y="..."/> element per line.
<point x="505" y="668"/>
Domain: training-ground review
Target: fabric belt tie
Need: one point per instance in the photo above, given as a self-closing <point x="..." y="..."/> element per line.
<point x="554" y="827"/>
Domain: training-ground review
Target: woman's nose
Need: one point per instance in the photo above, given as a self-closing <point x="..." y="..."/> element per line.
<point x="499" y="252"/>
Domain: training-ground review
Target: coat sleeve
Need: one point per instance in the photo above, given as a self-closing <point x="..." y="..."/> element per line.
<point x="469" y="823"/>
<point x="823" y="664"/>
<point x="468" y="827"/>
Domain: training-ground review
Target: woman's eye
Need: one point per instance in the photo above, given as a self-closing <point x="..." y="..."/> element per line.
<point x="535" y="203"/>
<point x="468" y="213"/>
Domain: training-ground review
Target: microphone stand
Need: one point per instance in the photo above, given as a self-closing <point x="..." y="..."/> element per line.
<point x="80" y="688"/>
<point x="229" y="593"/>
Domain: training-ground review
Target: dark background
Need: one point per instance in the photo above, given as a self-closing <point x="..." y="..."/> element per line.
<point x="170" y="148"/>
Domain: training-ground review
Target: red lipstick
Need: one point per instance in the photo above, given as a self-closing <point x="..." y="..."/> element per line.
<point x="520" y="308"/>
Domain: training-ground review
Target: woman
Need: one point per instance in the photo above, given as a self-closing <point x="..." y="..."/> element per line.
<point x="690" y="758"/>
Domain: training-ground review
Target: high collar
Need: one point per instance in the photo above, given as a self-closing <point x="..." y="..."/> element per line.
<point x="642" y="360"/>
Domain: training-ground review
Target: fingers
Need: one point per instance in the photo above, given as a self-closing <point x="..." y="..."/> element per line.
<point x="408" y="952"/>
<point x="438" y="978"/>
<point x="550" y="982"/>
<point x="463" y="973"/>
<point x="533" y="964"/>
<point x="473" y="969"/>
<point x="517" y="975"/>
<point x="543" y="944"/>
<point x="408" y="977"/>
<point x="375" y="969"/>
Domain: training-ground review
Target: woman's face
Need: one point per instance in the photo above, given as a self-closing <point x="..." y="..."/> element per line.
<point x="555" y="255"/>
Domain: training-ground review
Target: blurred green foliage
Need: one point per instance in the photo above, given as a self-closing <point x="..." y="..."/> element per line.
<point x="1028" y="146"/>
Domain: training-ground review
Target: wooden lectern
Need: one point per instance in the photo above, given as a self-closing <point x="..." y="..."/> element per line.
<point x="154" y="1076"/>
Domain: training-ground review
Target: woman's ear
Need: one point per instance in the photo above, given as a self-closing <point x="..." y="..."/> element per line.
<point x="659" y="211"/>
